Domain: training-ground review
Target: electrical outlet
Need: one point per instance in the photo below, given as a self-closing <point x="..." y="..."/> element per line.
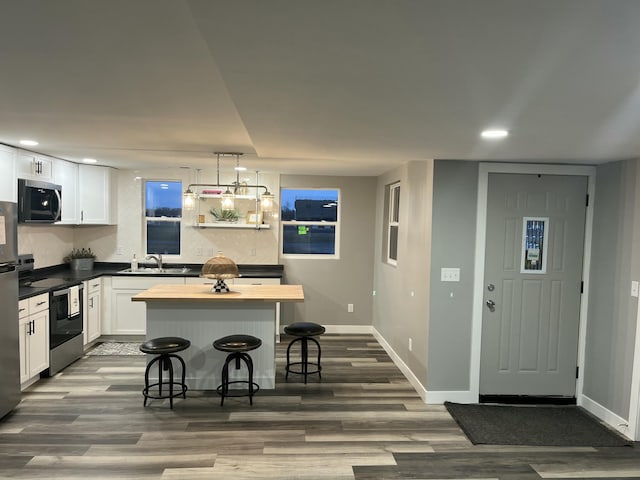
<point x="410" y="344"/>
<point x="199" y="251"/>
<point x="252" y="252"/>
<point x="634" y="288"/>
<point x="350" y="308"/>
<point x="449" y="274"/>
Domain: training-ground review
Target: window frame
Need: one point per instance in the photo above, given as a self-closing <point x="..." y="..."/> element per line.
<point x="393" y="221"/>
<point x="146" y="219"/>
<point x="336" y="225"/>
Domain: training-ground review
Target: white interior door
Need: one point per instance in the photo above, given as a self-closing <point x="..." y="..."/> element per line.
<point x="532" y="284"/>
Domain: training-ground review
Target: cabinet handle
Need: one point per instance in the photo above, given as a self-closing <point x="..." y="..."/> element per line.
<point x="91" y="302"/>
<point x="95" y="285"/>
<point x="21" y="310"/>
<point x="33" y="331"/>
<point x="40" y="303"/>
<point x="29" y="330"/>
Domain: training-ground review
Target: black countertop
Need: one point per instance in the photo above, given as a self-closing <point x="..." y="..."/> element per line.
<point x="70" y="277"/>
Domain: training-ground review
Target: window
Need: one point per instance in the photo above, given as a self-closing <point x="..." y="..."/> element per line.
<point x="163" y="215"/>
<point x="393" y="223"/>
<point x="310" y="222"/>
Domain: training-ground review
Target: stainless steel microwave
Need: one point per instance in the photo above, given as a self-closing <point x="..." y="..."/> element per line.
<point x="39" y="202"/>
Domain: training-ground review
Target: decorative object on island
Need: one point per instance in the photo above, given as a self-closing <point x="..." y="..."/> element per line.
<point x="222" y="215"/>
<point x="81" y="259"/>
<point x="265" y="200"/>
<point x="220" y="268"/>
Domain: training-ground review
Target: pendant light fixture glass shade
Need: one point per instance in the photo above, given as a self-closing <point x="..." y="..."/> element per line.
<point x="188" y="199"/>
<point x="266" y="202"/>
<point x="227" y="200"/>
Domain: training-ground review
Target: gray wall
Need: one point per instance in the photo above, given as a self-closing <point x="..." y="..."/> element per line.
<point x="612" y="311"/>
<point x="397" y="314"/>
<point x="329" y="285"/>
<point x="453" y="245"/>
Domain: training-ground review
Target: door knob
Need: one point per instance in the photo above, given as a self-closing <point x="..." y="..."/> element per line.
<point x="492" y="305"/>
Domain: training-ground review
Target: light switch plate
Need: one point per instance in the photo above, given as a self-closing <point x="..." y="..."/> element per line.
<point x="634" y="288"/>
<point x="449" y="274"/>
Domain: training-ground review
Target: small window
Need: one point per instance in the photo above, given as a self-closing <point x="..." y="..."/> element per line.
<point x="535" y="233"/>
<point x="393" y="223"/>
<point x="163" y="216"/>
<point x="310" y="222"/>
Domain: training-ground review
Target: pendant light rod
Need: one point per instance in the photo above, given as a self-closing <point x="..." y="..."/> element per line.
<point x="228" y="185"/>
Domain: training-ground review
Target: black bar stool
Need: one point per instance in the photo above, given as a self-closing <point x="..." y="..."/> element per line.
<point x="237" y="346"/>
<point x="303" y="331"/>
<point x="165" y="348"/>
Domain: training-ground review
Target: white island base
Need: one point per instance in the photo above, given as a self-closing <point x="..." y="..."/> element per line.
<point x="195" y="313"/>
<point x="203" y="324"/>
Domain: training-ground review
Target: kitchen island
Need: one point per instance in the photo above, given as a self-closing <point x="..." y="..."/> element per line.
<point x="195" y="313"/>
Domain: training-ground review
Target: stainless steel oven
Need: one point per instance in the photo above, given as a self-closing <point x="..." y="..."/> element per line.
<point x="65" y="327"/>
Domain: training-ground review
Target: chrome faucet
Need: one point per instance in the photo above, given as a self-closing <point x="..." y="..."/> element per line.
<point x="157" y="258"/>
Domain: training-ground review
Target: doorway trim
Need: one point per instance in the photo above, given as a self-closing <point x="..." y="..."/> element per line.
<point x="484" y="170"/>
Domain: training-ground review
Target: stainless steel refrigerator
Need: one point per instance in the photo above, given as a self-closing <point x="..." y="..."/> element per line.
<point x="9" y="346"/>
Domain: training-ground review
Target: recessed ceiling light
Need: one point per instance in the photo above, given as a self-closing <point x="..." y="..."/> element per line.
<point x="494" y="133"/>
<point x="89" y="160"/>
<point x="28" y="143"/>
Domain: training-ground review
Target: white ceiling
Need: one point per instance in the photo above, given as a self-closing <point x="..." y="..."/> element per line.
<point x="344" y="87"/>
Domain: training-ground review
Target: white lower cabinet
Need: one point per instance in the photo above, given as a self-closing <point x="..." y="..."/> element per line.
<point x="127" y="317"/>
<point x="34" y="336"/>
<point x="92" y="310"/>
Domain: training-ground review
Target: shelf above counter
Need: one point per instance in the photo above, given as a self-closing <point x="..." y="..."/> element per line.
<point x="252" y="226"/>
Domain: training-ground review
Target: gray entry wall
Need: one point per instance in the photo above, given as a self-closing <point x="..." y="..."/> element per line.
<point x="455" y="187"/>
<point x="615" y="261"/>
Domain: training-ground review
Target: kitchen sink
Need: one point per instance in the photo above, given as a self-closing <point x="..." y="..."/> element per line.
<point x="157" y="271"/>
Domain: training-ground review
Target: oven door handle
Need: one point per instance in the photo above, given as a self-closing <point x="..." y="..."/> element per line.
<point x="64" y="291"/>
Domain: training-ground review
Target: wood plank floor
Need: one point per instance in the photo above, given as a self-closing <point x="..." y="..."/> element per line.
<point x="362" y="421"/>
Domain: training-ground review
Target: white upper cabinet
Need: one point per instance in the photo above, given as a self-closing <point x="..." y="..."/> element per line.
<point x="96" y="195"/>
<point x="8" y="182"/>
<point x="66" y="174"/>
<point x="34" y="166"/>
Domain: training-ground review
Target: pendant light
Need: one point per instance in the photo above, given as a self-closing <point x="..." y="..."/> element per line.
<point x="188" y="199"/>
<point x="265" y="201"/>
<point x="228" y="200"/>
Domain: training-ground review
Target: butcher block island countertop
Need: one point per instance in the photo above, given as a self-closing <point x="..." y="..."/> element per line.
<point x="238" y="293"/>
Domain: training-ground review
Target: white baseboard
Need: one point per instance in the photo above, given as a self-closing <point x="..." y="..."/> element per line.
<point x="441" y="396"/>
<point x="349" y="329"/>
<point x="406" y="371"/>
<point x="607" y="416"/>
